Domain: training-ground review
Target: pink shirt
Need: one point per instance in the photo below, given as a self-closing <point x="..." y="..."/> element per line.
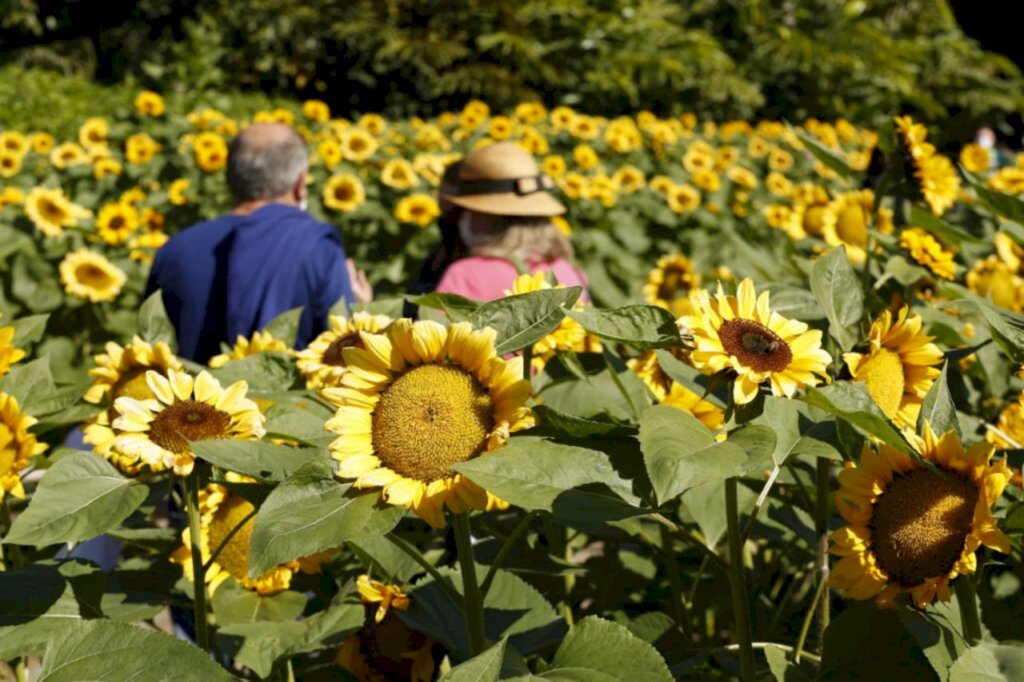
<point x="485" y="279"/>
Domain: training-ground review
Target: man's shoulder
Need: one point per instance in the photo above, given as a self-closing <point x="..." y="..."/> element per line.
<point x="209" y="230"/>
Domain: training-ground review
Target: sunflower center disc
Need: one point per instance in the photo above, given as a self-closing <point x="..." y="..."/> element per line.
<point x="92" y="275"/>
<point x="132" y="384"/>
<point x="7" y="449"/>
<point x="851" y="226"/>
<point x="755" y="345"/>
<point x="187" y="420"/>
<point x="674" y="282"/>
<point x="883" y="374"/>
<point x="920" y="524"/>
<point x="333" y="355"/>
<point x="430" y="418"/>
<point x="51" y="211"/>
<point x="234" y="558"/>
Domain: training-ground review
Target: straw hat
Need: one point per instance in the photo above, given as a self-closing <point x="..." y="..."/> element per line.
<point x="502" y="179"/>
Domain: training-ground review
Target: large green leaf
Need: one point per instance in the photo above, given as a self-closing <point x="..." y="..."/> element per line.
<point x="1005" y="205"/>
<point x="28" y="330"/>
<point x="573" y="482"/>
<point x="311" y="512"/>
<point x="989" y="662"/>
<point x="259" y="459"/>
<point x="39" y="599"/>
<point x="110" y="650"/>
<point x="1007" y="328"/>
<point x="154" y="325"/>
<point x="301" y="420"/>
<point x="691" y="378"/>
<point x="839" y="292"/>
<point x="457" y="308"/>
<point x="232" y="603"/>
<point x="30" y="384"/>
<point x="268" y="371"/>
<point x="525" y="319"/>
<point x="851" y="402"/>
<point x="579" y="427"/>
<point x="680" y="452"/>
<point x="285" y="326"/>
<point x="609" y="648"/>
<point x="500" y="662"/>
<point x="937" y="408"/>
<point x="950" y="234"/>
<point x="80" y="497"/>
<point x="865" y="642"/>
<point x="800" y="430"/>
<point x="639" y="326"/>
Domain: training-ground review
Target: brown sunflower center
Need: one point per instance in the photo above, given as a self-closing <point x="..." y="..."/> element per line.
<point x="187" y="420"/>
<point x="882" y="372"/>
<point x="755" y="345"/>
<point x="92" y="276"/>
<point x="343" y="192"/>
<point x="51" y="211"/>
<point x="675" y="281"/>
<point x="234" y="558"/>
<point x="920" y="524"/>
<point x="116" y="223"/>
<point x="334" y="354"/>
<point x="430" y="418"/>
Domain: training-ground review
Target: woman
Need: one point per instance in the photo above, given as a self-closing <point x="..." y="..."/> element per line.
<point x="504" y="224"/>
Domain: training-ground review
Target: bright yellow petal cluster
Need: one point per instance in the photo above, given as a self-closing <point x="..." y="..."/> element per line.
<point x="743" y="335"/>
<point x="911" y="529"/>
<point x="899" y="367"/>
<point x="417" y="400"/>
<point x="383" y="594"/>
<point x="17" y="445"/>
<point x="157" y="431"/>
<point x="322" y="362"/>
<point x="940" y="182"/>
<point x="845" y="223"/>
<point x="51" y="211"/>
<point x="8" y="353"/>
<point x="928" y="251"/>
<point x="670" y="284"/>
<point x="344" y="193"/>
<point x="89" y="275"/>
<point x="261" y="342"/>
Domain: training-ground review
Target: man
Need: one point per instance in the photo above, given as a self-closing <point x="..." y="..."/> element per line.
<point x="232" y="275"/>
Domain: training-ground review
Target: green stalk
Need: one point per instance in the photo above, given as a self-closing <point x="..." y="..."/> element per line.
<point x="967" y="594"/>
<point x="675" y="580"/>
<point x="737" y="584"/>
<point x="417" y="556"/>
<point x="499" y="560"/>
<point x="5" y="526"/>
<point x="191" y="483"/>
<point x="474" y="603"/>
<point x="227" y="539"/>
<point x="527" y="363"/>
<point x="824" y="476"/>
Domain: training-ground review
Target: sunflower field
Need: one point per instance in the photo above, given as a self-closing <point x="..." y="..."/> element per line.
<point x="782" y="439"/>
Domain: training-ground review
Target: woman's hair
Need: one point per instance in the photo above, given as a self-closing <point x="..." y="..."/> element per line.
<point x="525" y="238"/>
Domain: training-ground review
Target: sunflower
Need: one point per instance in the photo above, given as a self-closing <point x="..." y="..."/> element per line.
<point x="89" y="275"/>
<point x="845" y="223"/>
<point x="42" y="143"/>
<point x="261" y="342"/>
<point x="780" y="160"/>
<point x="912" y="529"/>
<point x="358" y="145"/>
<point x="50" y="211"/>
<point x="742" y="334"/>
<point x="116" y="222"/>
<point x="419" y="399"/>
<point x="420" y="209"/>
<point x="940" y="182"/>
<point x="17" y="445"/>
<point x="221" y="511"/>
<point x="630" y="179"/>
<point x="585" y="157"/>
<point x="707" y="180"/>
<point x="399" y="174"/>
<point x="992" y="277"/>
<point x="67" y="154"/>
<point x="682" y="198"/>
<point x="14" y="142"/>
<point x="322" y="362"/>
<point x="344" y="192"/>
<point x="531" y="112"/>
<point x="670" y="282"/>
<point x="93" y="132"/>
<point x="374" y="123"/>
<point x="316" y="110"/>
<point x="8" y="353"/>
<point x="10" y="163"/>
<point x="176" y="191"/>
<point x="157" y="431"/>
<point x="928" y="251"/>
<point x="149" y="103"/>
<point x="899" y="367"/>
<point x="10" y="196"/>
<point x="140" y="148"/>
<point x="106" y="167"/>
<point x="385" y="648"/>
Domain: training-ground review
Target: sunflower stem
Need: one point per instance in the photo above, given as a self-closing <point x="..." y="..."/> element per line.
<point x="499" y="560"/>
<point x="606" y="354"/>
<point x="798" y="650"/>
<point x="737" y="584"/>
<point x="824" y="479"/>
<point x="675" y="580"/>
<point x="227" y="539"/>
<point x="191" y="483"/>
<point x="528" y="363"/>
<point x="967" y="594"/>
<point x="417" y="556"/>
<point x="474" y="603"/>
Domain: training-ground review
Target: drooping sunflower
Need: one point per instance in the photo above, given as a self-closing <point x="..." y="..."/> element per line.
<point x="157" y="431"/>
<point x="89" y="275"/>
<point x="261" y="342"/>
<point x="420" y="209"/>
<point x="899" y="367"/>
<point x="51" y="211"/>
<point x="912" y="529"/>
<point x="116" y="222"/>
<point x="221" y="510"/>
<point x="670" y="283"/>
<point x="17" y="445"/>
<point x="322" y="362"/>
<point x="928" y="251"/>
<point x="845" y="223"/>
<point x="9" y="354"/>
<point x="743" y="335"/>
<point x="417" y="400"/>
<point x="385" y="648"/>
<point x="344" y="192"/>
<point x="939" y="180"/>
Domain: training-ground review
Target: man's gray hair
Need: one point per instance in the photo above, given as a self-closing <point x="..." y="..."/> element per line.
<point x="265" y="166"/>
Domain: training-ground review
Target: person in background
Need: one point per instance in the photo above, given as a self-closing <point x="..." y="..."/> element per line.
<point x="504" y="221"/>
<point x="232" y="275"/>
<point x="450" y="248"/>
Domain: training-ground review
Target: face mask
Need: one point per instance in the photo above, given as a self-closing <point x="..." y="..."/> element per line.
<point x="303" y="203"/>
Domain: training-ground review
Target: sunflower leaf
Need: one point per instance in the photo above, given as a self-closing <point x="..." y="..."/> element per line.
<point x="525" y="319"/>
<point x="608" y="648"/>
<point x="639" y="326"/>
<point x="458" y="308"/>
<point x="259" y="459"/>
<point x="28" y="330"/>
<point x="1008" y="206"/>
<point x="825" y="155"/>
<point x="938" y="408"/>
<point x="989" y="663"/>
<point x="499" y="662"/>
<point x="154" y="325"/>
<point x="285" y="326"/>
<point x="80" y="497"/>
<point x="851" y="402"/>
<point x="839" y="292"/>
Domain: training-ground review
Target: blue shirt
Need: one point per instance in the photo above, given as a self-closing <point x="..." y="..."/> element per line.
<point x="234" y="274"/>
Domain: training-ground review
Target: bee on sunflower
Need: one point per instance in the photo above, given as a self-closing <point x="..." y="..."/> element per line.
<point x="911" y="528"/>
<point x="418" y="399"/>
